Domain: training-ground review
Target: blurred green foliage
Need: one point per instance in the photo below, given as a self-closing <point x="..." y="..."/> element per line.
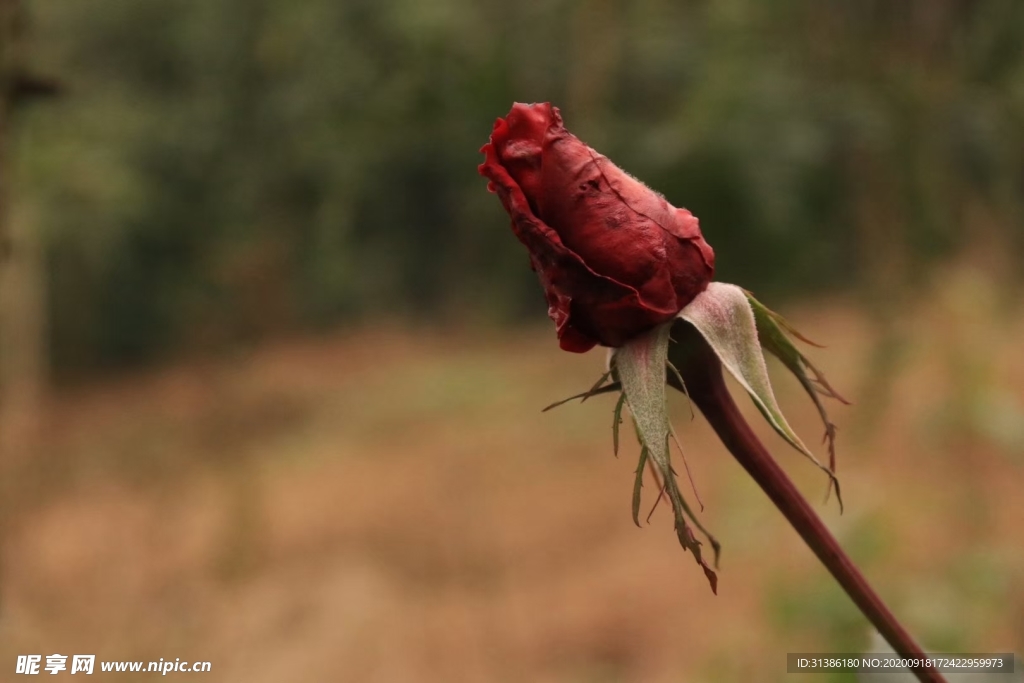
<point x="225" y="169"/>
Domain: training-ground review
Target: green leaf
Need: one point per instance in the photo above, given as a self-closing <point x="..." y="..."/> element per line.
<point x="640" y="365"/>
<point x="592" y="391"/>
<point x="723" y="315"/>
<point x="675" y="379"/>
<point x="638" y="484"/>
<point x="616" y="421"/>
<point x="772" y="331"/>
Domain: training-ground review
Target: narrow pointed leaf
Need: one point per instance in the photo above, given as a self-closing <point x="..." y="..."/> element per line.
<point x="659" y="497"/>
<point x="616" y="422"/>
<point x="675" y="380"/>
<point x="597" y="385"/>
<point x="640" y="365"/>
<point x="637" y="485"/>
<point x="592" y="391"/>
<point x="681" y="508"/>
<point x="687" y="540"/>
<point x="724" y="317"/>
<point x="771" y="330"/>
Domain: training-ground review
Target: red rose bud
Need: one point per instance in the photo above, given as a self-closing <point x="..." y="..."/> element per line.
<point x="615" y="259"/>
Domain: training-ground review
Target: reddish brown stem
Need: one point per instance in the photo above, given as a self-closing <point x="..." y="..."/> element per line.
<point x="705" y="385"/>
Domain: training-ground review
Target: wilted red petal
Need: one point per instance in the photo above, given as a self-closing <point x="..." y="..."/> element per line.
<point x="614" y="257"/>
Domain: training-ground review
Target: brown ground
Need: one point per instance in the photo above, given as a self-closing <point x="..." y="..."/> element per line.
<point x="391" y="506"/>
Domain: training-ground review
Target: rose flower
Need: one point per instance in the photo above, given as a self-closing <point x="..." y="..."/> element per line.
<point x="615" y="259"/>
<point x="624" y="268"/>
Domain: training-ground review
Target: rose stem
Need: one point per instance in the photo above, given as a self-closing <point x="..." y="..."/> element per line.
<point x="702" y="372"/>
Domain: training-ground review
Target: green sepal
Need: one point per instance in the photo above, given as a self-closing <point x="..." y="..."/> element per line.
<point x="592" y="391"/>
<point x="724" y="316"/>
<point x="616" y="421"/>
<point x="640" y="365"/>
<point x="638" y="484"/>
<point x="773" y="332"/>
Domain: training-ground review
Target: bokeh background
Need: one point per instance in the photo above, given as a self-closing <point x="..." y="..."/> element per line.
<point x="273" y="362"/>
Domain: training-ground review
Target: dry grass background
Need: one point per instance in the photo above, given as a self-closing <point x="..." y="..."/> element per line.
<point x="391" y="505"/>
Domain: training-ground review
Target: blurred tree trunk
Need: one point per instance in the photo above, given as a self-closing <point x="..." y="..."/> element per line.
<point x="22" y="364"/>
